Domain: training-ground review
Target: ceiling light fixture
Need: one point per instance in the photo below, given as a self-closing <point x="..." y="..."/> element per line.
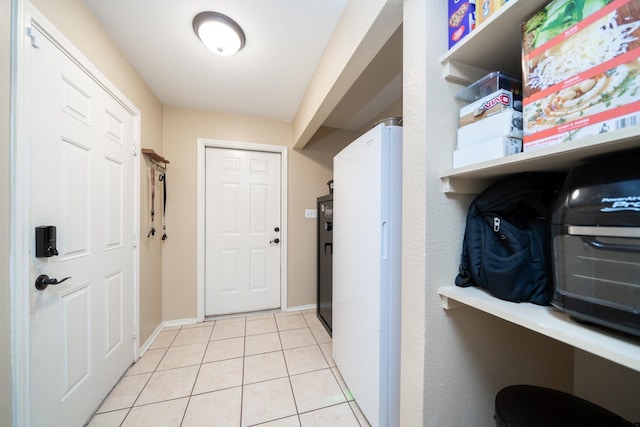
<point x="219" y="33"/>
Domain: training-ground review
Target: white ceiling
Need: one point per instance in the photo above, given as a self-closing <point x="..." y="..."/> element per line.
<point x="268" y="78"/>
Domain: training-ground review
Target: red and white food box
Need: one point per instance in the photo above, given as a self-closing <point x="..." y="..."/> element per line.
<point x="487" y="106"/>
<point x="585" y="80"/>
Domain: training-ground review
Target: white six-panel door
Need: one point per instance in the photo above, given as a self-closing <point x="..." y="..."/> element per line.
<point x="242" y="231"/>
<point x="81" y="182"/>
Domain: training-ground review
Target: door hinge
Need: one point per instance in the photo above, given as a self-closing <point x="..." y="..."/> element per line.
<point x="134" y="240"/>
<point x="135" y="149"/>
<point x="33" y="35"/>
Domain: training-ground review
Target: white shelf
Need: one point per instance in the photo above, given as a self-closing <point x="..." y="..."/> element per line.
<point x="500" y="33"/>
<point x="472" y="179"/>
<point x="619" y="348"/>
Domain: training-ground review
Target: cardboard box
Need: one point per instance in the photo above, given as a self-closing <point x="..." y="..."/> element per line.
<point x="507" y="123"/>
<point x="598" y="38"/>
<point x="560" y="19"/>
<point x="489" y="150"/>
<point x="612" y="95"/>
<point x="486" y="8"/>
<point x="582" y="130"/>
<point x="494" y="103"/>
<point x="584" y="79"/>
<point x="461" y="19"/>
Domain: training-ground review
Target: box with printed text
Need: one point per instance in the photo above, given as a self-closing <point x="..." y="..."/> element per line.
<point x="461" y="19"/>
<point x="581" y="71"/>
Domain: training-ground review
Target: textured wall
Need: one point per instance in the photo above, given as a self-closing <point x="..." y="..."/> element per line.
<point x="464" y="356"/>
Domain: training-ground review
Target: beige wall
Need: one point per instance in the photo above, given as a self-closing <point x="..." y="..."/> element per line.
<point x="5" y="298"/>
<point x="75" y="21"/>
<point x="308" y="172"/>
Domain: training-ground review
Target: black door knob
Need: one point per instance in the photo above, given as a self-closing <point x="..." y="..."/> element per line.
<point x="42" y="281"/>
<point x="276" y="240"/>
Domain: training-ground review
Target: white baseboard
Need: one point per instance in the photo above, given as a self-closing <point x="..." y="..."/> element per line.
<point x="179" y="322"/>
<point x="302" y="307"/>
<point x="150" y="340"/>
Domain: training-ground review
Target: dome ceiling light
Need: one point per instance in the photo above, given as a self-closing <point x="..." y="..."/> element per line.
<point x="219" y="33"/>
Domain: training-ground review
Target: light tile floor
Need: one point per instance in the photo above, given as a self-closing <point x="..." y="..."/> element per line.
<point x="263" y="370"/>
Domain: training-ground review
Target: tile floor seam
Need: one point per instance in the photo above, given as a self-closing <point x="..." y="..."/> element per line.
<point x="141" y="390"/>
<point x="354" y="413"/>
<point x="244" y="356"/>
<point x="186" y="407"/>
<point x="327" y="406"/>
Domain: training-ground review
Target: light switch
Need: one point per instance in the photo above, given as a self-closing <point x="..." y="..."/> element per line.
<point x="311" y="213"/>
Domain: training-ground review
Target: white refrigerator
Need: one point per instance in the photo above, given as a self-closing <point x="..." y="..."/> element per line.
<point x="367" y="206"/>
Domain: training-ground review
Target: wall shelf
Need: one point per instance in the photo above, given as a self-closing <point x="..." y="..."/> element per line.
<point x="619" y="348"/>
<point x="472" y="179"/>
<point x="155" y="157"/>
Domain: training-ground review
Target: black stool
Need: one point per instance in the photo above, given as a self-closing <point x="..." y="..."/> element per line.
<point x="531" y="406"/>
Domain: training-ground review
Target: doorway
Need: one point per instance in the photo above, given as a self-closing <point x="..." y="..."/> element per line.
<point x="76" y="165"/>
<point x="242" y="227"/>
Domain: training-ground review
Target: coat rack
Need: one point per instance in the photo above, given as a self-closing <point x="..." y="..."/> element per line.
<point x="155" y="158"/>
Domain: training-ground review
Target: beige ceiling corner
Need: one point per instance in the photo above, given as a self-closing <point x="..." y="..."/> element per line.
<point x="363" y="29"/>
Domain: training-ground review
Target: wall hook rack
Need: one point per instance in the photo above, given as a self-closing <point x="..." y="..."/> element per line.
<point x="155" y="158"/>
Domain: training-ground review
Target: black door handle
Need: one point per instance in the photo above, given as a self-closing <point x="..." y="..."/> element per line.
<point x="42" y="281"/>
<point x="276" y="240"/>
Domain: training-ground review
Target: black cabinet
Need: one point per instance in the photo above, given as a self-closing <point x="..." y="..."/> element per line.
<point x="325" y="254"/>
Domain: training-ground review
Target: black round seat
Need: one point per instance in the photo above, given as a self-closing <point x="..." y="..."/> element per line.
<point x="532" y="406"/>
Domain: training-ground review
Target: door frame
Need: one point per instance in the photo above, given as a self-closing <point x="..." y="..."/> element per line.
<point x="203" y="144"/>
<point x="24" y="14"/>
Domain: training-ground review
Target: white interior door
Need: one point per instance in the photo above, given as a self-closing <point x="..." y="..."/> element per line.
<point x="242" y="231"/>
<point x="81" y="182"/>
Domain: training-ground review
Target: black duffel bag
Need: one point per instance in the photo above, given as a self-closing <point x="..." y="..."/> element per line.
<point x="506" y="241"/>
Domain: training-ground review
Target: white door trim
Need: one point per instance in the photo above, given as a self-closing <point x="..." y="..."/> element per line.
<point x="203" y="143"/>
<point x="24" y="15"/>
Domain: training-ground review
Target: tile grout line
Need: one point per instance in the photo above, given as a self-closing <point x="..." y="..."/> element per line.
<point x="148" y="379"/>
<point x="186" y="408"/>
<point x="286" y="365"/>
<point x="244" y="355"/>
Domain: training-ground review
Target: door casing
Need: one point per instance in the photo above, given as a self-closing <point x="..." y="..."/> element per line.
<point x="204" y="143"/>
<point x="24" y="15"/>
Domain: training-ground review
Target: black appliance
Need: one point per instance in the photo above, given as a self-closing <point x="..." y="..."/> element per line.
<point x="325" y="255"/>
<point x="596" y="244"/>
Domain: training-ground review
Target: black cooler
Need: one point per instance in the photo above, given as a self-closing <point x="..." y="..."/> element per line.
<point x="596" y="244"/>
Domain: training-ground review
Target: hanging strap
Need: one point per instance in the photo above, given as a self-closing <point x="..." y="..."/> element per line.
<point x="152" y="178"/>
<point x="163" y="177"/>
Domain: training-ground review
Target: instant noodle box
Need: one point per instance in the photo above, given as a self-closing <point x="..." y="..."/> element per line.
<point x="461" y="19"/>
<point x="581" y="70"/>
<point x="485" y="107"/>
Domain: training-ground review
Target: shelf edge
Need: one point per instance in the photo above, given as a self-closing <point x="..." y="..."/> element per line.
<point x="552" y="323"/>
